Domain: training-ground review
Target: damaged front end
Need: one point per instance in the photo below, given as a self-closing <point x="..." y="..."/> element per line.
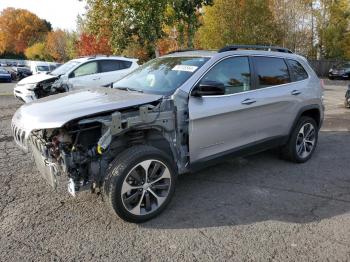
<point x="81" y="150"/>
<point x="49" y="87"/>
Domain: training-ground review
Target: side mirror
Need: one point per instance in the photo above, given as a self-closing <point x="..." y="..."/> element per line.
<point x="71" y="75"/>
<point x="209" y="88"/>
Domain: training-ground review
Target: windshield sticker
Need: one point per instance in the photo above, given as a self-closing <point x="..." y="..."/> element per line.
<point x="186" y="68"/>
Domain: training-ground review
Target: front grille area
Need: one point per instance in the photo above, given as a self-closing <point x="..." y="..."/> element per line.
<point x="19" y="136"/>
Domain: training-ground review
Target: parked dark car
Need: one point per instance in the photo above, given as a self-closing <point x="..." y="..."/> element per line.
<point x="5" y="76"/>
<point x="340" y="71"/>
<point x="347" y="98"/>
<point x="21" y="72"/>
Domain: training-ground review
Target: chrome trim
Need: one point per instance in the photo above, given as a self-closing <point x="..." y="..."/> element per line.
<point x="19" y="136"/>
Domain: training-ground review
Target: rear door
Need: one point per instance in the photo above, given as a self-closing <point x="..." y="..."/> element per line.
<point x="278" y="94"/>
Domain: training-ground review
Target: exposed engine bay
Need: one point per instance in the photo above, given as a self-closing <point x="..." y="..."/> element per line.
<point x="82" y="149"/>
<point x="49" y="87"/>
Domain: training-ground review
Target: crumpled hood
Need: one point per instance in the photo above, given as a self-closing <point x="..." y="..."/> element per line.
<point x="55" y="111"/>
<point x="33" y="79"/>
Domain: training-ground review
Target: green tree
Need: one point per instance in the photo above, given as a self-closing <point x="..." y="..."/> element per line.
<point x="238" y="22"/>
<point x="37" y="51"/>
<point x="334" y="30"/>
<point x="184" y="15"/>
<point x="125" y="22"/>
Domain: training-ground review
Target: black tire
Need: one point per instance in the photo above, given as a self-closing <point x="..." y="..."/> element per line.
<point x="289" y="151"/>
<point x="120" y="170"/>
<point x="346" y="103"/>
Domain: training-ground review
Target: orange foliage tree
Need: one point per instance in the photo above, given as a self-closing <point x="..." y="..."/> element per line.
<point x="91" y="45"/>
<point x="56" y="44"/>
<point x="19" y="29"/>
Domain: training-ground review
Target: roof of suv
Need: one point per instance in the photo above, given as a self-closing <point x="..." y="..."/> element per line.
<point x="238" y="51"/>
<point x="86" y="58"/>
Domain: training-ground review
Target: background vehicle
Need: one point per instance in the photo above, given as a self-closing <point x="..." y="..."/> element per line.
<point x="39" y="67"/>
<point x="5" y="76"/>
<point x="170" y="116"/>
<point x="77" y="73"/>
<point x="340" y="71"/>
<point x="20" y="72"/>
<point x="347" y="98"/>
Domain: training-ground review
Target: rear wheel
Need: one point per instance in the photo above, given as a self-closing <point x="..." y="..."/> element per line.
<point x="302" y="142"/>
<point x="140" y="183"/>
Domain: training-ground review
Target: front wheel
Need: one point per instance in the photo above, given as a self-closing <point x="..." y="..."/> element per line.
<point x="302" y="142"/>
<point x="140" y="183"/>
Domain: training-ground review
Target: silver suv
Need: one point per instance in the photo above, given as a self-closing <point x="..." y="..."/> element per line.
<point x="173" y="115"/>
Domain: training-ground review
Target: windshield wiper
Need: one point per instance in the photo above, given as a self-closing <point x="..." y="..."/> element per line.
<point x="129" y="89"/>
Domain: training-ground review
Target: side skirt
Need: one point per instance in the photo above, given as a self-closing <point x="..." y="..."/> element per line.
<point x="246" y="150"/>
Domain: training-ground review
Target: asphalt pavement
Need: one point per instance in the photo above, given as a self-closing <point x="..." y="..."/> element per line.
<point x="257" y="208"/>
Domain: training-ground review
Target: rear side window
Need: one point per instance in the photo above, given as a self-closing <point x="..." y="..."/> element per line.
<point x="113" y="65"/>
<point x="297" y="70"/>
<point x="271" y="71"/>
<point x="125" y="64"/>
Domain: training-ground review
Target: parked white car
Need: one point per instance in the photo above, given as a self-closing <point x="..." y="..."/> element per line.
<point x="38" y="67"/>
<point x="77" y="73"/>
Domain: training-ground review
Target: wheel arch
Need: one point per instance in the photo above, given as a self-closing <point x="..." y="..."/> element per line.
<point x="152" y="137"/>
<point x="313" y="111"/>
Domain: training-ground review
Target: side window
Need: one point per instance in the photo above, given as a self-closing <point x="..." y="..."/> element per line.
<point x="271" y="71"/>
<point x="233" y="72"/>
<point x="113" y="65"/>
<point x="109" y="65"/>
<point x="125" y="64"/>
<point x="297" y="70"/>
<point x="86" y="69"/>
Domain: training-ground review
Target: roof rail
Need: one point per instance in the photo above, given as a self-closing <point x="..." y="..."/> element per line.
<point x="181" y="50"/>
<point x="255" y="47"/>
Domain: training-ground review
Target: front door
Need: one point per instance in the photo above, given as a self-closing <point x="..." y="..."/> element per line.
<point x="85" y="75"/>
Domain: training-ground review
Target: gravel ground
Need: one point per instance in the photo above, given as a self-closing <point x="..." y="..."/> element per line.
<point x="255" y="208"/>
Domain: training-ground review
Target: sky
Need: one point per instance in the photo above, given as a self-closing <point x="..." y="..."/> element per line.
<point x="60" y="13"/>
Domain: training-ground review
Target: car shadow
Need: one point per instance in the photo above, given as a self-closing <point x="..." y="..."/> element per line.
<point x="262" y="188"/>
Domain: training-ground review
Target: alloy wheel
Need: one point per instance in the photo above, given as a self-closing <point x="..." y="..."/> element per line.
<point x="306" y="140"/>
<point x="146" y="187"/>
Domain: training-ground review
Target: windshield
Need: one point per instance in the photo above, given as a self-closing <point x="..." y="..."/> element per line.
<point x="61" y="70"/>
<point x="161" y="75"/>
<point x="43" y="68"/>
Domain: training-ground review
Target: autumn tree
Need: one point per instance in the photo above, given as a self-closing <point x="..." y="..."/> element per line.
<point x="92" y="45"/>
<point x="238" y="22"/>
<point x="19" y="29"/>
<point x="56" y="44"/>
<point x="37" y="51"/>
<point x="295" y="21"/>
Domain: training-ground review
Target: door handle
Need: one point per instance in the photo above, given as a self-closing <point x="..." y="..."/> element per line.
<point x="296" y="92"/>
<point x="248" y="101"/>
<point x="98" y="78"/>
